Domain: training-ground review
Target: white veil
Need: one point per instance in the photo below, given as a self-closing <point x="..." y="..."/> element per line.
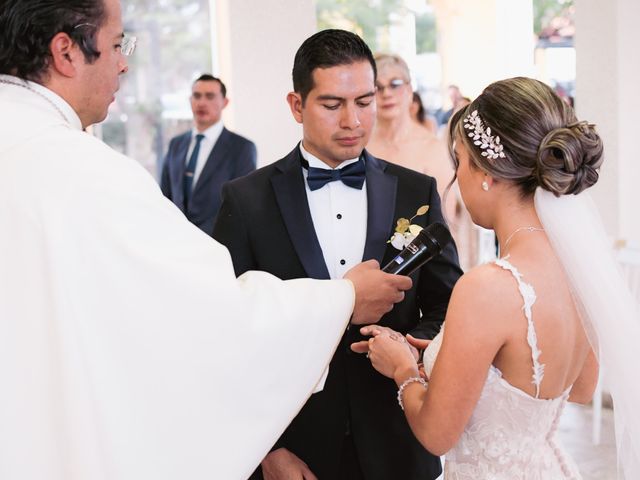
<point x="609" y="312"/>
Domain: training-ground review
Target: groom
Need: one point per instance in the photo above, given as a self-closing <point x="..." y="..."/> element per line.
<point x="323" y="208"/>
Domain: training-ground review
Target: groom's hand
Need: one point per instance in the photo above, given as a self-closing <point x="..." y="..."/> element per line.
<point x="376" y="291"/>
<point x="281" y="464"/>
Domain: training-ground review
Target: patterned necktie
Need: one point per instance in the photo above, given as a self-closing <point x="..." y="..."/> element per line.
<point x="187" y="180"/>
<point x="352" y="175"/>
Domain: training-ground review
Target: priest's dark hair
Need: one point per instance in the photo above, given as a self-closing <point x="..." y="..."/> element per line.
<point x="28" y="26"/>
<point x="326" y="49"/>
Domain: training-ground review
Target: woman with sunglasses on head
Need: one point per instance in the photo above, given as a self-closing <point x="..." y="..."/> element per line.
<point x="522" y="334"/>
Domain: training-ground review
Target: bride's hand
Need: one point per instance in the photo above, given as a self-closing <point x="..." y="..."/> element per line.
<point x="374" y="330"/>
<point x="391" y="355"/>
<point x="363" y="345"/>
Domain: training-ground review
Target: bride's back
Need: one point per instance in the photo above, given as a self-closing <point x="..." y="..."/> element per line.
<point x="560" y="334"/>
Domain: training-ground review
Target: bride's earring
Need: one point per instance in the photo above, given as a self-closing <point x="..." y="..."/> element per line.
<point x="485" y="185"/>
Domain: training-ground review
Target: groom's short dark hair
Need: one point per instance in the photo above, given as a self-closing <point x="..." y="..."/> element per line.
<point x="325" y="49"/>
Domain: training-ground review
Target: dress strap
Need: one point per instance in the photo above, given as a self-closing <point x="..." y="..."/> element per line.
<point x="529" y="297"/>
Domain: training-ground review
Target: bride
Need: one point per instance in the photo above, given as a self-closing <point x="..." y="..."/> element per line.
<point x="522" y="334"/>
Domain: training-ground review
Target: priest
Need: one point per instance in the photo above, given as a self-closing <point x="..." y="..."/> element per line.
<point x="120" y="356"/>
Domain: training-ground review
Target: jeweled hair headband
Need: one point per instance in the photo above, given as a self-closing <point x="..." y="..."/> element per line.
<point x="489" y="145"/>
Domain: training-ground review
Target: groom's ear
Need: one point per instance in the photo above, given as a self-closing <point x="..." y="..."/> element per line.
<point x="294" y="99"/>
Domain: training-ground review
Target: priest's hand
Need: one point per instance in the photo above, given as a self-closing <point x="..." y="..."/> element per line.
<point x="376" y="291"/>
<point x="281" y="464"/>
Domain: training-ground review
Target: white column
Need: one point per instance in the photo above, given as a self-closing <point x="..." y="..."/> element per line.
<point x="481" y="41"/>
<point x="608" y="71"/>
<point x="256" y="43"/>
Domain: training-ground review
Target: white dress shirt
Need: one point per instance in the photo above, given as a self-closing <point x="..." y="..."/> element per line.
<point x="211" y="136"/>
<point x="339" y="215"/>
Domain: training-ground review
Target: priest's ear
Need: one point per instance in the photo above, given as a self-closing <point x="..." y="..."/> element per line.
<point x="65" y="54"/>
<point x="294" y="100"/>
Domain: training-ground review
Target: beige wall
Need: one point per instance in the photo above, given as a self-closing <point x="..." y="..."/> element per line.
<point x="256" y="42"/>
<point x="481" y="41"/>
<point x="608" y="71"/>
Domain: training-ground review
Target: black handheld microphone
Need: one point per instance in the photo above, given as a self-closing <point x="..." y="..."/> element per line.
<point x="427" y="244"/>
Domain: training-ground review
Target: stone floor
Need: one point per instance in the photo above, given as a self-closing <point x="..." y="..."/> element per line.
<point x="596" y="462"/>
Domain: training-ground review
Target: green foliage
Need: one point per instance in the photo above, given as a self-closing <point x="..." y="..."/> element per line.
<point x="545" y="10"/>
<point x="426" y="33"/>
<point x="174" y="45"/>
<point x="174" y="37"/>
<point x="364" y="17"/>
<point x="368" y="17"/>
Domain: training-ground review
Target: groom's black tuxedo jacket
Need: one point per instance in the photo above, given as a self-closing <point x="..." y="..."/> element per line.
<point x="265" y="222"/>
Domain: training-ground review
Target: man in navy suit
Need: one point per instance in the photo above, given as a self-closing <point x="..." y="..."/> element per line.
<point x="324" y="207"/>
<point x="199" y="162"/>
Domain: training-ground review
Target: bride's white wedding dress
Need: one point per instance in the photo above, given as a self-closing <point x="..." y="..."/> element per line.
<point x="510" y="435"/>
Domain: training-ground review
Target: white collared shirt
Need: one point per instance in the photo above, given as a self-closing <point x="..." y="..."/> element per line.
<point x="339" y="215"/>
<point x="211" y="136"/>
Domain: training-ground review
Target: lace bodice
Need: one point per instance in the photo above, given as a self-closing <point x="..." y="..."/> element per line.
<point x="511" y="434"/>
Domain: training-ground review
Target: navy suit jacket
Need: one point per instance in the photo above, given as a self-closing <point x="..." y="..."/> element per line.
<point x="232" y="156"/>
<point x="266" y="224"/>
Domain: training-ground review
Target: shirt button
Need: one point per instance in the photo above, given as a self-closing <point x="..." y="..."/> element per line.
<point x="342" y="262"/>
<point x="339" y="216"/>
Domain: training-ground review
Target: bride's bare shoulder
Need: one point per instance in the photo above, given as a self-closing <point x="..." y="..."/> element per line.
<point x="486" y="291"/>
<point x="487" y="277"/>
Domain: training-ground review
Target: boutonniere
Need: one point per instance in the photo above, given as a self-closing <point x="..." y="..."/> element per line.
<point x="406" y="231"/>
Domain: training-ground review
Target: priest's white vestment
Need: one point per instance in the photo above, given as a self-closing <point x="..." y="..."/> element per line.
<point x="128" y="349"/>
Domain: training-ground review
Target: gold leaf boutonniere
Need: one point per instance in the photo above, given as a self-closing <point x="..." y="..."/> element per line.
<point x="406" y="231"/>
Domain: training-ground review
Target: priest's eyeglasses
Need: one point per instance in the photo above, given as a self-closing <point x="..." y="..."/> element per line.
<point x="127" y="45"/>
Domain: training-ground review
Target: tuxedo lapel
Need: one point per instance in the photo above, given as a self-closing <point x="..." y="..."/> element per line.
<point x="289" y="189"/>
<point x="381" y="203"/>
<point x="177" y="182"/>
<point x="216" y="159"/>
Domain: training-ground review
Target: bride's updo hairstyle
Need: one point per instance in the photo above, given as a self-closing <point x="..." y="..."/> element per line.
<point x="523" y="132"/>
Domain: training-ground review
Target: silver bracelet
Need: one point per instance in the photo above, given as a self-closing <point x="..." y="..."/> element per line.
<point x="409" y="380"/>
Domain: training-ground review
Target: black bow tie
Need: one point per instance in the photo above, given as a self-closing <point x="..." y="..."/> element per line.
<point x="352" y="175"/>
